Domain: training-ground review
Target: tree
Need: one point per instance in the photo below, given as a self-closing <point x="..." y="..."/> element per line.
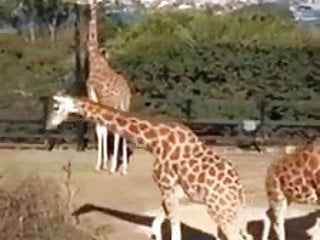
<point x="29" y="15"/>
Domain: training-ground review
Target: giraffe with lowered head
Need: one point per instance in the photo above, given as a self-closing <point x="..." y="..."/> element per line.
<point x="292" y="178"/>
<point x="107" y="87"/>
<point x="182" y="162"/>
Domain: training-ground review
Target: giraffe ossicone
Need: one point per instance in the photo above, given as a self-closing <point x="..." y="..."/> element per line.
<point x="182" y="161"/>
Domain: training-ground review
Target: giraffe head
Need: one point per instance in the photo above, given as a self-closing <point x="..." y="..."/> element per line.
<point x="63" y="106"/>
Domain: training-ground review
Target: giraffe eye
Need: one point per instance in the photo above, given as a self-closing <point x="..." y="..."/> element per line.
<point x="55" y="106"/>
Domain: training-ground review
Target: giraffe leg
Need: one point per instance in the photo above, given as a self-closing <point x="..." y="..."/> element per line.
<point x="277" y="216"/>
<point x="230" y="232"/>
<point x="156" y="226"/>
<point x="170" y="203"/>
<point x="170" y="200"/>
<point x="218" y="229"/>
<point x="124" y="170"/>
<point x="105" y="146"/>
<point x="266" y="226"/>
<point x="115" y="153"/>
<point x="167" y="206"/>
<point x="235" y="230"/>
<point x="99" y="140"/>
<point x="124" y="157"/>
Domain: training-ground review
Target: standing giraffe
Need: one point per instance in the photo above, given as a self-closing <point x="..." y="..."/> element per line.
<point x="295" y="177"/>
<point x="105" y="86"/>
<point x="182" y="162"/>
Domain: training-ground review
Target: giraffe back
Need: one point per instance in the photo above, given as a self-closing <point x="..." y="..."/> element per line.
<point x="104" y="80"/>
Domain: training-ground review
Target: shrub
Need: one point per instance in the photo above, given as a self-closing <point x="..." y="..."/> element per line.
<point x="35" y="209"/>
<point x="180" y="62"/>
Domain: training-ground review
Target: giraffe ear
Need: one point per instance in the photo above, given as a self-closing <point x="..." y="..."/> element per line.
<point x="104" y="52"/>
<point x="58" y="98"/>
<point x="61" y="93"/>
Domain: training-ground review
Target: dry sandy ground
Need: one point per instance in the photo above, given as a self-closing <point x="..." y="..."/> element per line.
<point x="128" y="203"/>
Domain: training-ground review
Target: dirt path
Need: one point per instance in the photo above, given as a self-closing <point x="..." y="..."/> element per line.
<point x="130" y="202"/>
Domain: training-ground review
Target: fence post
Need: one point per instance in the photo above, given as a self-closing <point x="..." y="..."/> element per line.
<point x="49" y="142"/>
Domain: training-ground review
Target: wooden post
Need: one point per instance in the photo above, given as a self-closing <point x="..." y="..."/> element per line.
<point x="49" y="142"/>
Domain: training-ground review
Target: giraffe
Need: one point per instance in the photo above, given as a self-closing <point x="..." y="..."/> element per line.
<point x="105" y="86"/>
<point x="182" y="162"/>
<point x="294" y="177"/>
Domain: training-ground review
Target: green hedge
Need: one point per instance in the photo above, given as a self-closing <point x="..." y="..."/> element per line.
<point x="180" y="63"/>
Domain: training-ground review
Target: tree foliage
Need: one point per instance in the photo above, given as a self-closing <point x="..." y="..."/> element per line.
<point x="180" y="63"/>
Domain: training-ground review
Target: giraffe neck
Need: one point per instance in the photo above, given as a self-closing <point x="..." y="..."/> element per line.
<point x="161" y="139"/>
<point x="116" y="120"/>
<point x="92" y="37"/>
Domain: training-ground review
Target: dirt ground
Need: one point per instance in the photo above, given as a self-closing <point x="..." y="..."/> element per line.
<point x="125" y="205"/>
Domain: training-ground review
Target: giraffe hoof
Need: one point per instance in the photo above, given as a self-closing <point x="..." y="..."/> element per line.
<point x="97" y="169"/>
<point x="105" y="167"/>
<point x="124" y="172"/>
<point x="152" y="237"/>
<point x="112" y="171"/>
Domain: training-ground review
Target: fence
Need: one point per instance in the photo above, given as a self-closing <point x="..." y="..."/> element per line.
<point x="24" y="127"/>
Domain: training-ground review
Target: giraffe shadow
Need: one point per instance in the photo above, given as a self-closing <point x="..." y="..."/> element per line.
<point x="188" y="233"/>
<point x="295" y="227"/>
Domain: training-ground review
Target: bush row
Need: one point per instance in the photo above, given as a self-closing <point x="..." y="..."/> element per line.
<point x="181" y="63"/>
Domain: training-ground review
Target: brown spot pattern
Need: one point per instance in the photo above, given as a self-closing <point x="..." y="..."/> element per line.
<point x="187" y="149"/>
<point x="171" y="138"/>
<point x="181" y="137"/>
<point x="196" y="149"/>
<point x="212" y="171"/>
<point x="166" y="148"/>
<point x="140" y="140"/>
<point x="298" y="181"/>
<point x="227" y="181"/>
<point x="231" y="173"/>
<point x="191" y="178"/>
<point x="150" y="134"/>
<point x="220" y="166"/>
<point x="313" y="163"/>
<point x="184" y="170"/>
<point x="164" y="131"/>
<point x="134" y="129"/>
<point x="176" y="153"/>
<point x="158" y="150"/>
<point x="201" y="178"/>
<point x="143" y="126"/>
<point x="122" y="122"/>
<point x="193" y="162"/>
<point x="317" y="174"/>
<point x="307" y="173"/>
<point x="196" y="168"/>
<point x="295" y="171"/>
<point x="222" y="202"/>
<point x="220" y="176"/>
<point x="304" y="189"/>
